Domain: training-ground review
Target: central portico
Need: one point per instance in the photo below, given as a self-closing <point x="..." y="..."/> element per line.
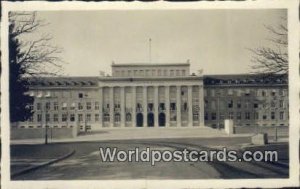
<point x="151" y="95"/>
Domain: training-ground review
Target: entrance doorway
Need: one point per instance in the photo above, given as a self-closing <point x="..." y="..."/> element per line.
<point x="150" y="120"/>
<point x="139" y="120"/>
<point x="162" y="120"/>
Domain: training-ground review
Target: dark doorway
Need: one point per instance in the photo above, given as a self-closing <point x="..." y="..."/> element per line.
<point x="162" y="120"/>
<point x="139" y="120"/>
<point x="150" y="120"/>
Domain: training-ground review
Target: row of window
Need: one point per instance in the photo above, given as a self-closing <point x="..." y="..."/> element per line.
<point x="245" y="116"/>
<point x="152" y="72"/>
<point x="246" y="104"/>
<point x="95" y="106"/>
<point x="245" y="92"/>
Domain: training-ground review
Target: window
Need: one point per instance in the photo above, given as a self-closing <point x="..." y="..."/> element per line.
<point x="213" y="116"/>
<point x="239" y="115"/>
<point x="64" y="106"/>
<point x="80" y="117"/>
<point x="150" y="107"/>
<point x="106" y="117"/>
<point x="55" y="117"/>
<point x="88" y="117"/>
<point x="72" y="117"/>
<point x="96" y="105"/>
<point x="80" y="95"/>
<point x="64" y="117"/>
<point x="88" y="105"/>
<point x="153" y="73"/>
<point x="55" y="104"/>
<point x="230" y="115"/>
<point x="162" y="106"/>
<point x="165" y="72"/>
<point x="281" y="115"/>
<point x="247" y="104"/>
<point x="247" y="115"/>
<point x="117" y="117"/>
<point x="38" y="106"/>
<point x="272" y="115"/>
<point x="185" y="107"/>
<point x="96" y="117"/>
<point x="230" y="92"/>
<point x="256" y="115"/>
<point x="222" y="115"/>
<point x="255" y="105"/>
<point x="263" y="93"/>
<point x="177" y="73"/>
<point x="230" y="104"/>
<point x="173" y="106"/>
<point x="206" y="116"/>
<point x="273" y="93"/>
<point x="47" y="105"/>
<point x="265" y="117"/>
<point x="273" y="104"/>
<point x="281" y="104"/>
<point x="281" y="92"/>
<point x="195" y="117"/>
<point x="39" y="117"/>
<point x="239" y="104"/>
<point x="158" y="72"/>
<point x="183" y="72"/>
<point x="171" y="72"/>
<point x="80" y="107"/>
<point x="128" y="117"/>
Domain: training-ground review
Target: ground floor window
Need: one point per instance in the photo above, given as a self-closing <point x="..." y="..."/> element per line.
<point x="128" y="117"/>
<point x="117" y="117"/>
<point x="106" y="117"/>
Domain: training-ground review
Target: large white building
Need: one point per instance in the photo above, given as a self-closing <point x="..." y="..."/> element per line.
<point x="157" y="95"/>
<point x="136" y="95"/>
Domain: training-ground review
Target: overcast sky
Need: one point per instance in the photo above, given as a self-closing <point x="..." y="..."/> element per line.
<point x="213" y="40"/>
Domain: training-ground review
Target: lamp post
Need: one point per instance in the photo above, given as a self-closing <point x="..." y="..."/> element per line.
<point x="218" y="110"/>
<point x="46" y="125"/>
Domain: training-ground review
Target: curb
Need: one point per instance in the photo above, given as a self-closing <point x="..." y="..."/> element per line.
<point x="29" y="169"/>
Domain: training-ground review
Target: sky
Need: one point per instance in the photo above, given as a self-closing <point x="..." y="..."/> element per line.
<point x="213" y="40"/>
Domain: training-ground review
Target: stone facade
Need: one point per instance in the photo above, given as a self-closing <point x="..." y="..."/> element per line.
<point x="157" y="95"/>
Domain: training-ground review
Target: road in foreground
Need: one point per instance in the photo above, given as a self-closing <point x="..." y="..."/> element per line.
<point x="86" y="164"/>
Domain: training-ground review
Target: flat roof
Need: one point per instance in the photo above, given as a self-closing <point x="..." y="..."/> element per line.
<point x="148" y="64"/>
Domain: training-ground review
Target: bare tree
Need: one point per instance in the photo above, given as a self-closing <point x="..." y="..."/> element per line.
<point x="37" y="55"/>
<point x="273" y="59"/>
<point x="29" y="56"/>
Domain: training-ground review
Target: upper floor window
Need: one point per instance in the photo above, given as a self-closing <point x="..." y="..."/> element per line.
<point x="88" y="105"/>
<point x="171" y="72"/>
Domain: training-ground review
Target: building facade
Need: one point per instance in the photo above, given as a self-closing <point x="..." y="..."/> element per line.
<point x="157" y="95"/>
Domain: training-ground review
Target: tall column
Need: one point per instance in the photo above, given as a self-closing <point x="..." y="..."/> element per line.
<point x="167" y="105"/>
<point x="201" y="106"/>
<point x="122" y="107"/>
<point x="178" y="106"/>
<point x="133" y="106"/>
<point x="156" y="106"/>
<point x="111" y="106"/>
<point x="145" y="107"/>
<point x="190" y="107"/>
<point x="101" y="107"/>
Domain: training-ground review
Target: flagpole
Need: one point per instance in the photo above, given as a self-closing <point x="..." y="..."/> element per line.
<point x="150" y="50"/>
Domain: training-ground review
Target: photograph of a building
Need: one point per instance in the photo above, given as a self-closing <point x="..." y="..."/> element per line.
<point x="166" y="80"/>
<point x="158" y="95"/>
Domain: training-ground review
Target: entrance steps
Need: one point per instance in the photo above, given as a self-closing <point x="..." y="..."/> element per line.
<point x="152" y="133"/>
